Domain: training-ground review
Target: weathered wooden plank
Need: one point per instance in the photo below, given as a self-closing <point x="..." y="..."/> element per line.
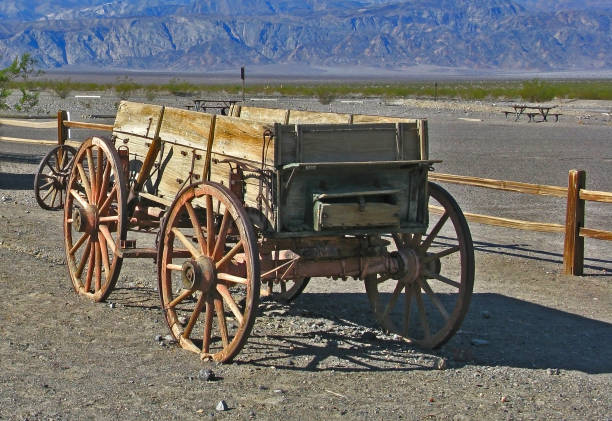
<point x="242" y="139"/>
<point x="312" y="117"/>
<point x="84" y="125"/>
<point x="363" y="118"/>
<point x="265" y="115"/>
<point x="596" y="196"/>
<point x="28" y="123"/>
<point x="505" y="222"/>
<point x="596" y="234"/>
<point x="573" y="247"/>
<point x="136" y="118"/>
<point x="348" y="215"/>
<point x="515" y="186"/>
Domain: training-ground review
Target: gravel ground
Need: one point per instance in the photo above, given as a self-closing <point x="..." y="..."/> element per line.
<point x="536" y="344"/>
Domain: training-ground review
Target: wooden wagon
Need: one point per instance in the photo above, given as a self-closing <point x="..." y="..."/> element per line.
<point x="258" y="202"/>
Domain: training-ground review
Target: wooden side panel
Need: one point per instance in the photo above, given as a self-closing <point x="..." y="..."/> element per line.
<point x="363" y="118"/>
<point x="136" y="118"/>
<point x="312" y="117"/>
<point x="264" y="115"/>
<point x="242" y="139"/>
<point x="347" y="143"/>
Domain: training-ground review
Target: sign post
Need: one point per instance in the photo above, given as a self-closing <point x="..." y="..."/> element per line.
<point x="243" y="81"/>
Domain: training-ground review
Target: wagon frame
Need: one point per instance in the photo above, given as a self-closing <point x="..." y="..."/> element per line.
<point x="256" y="203"/>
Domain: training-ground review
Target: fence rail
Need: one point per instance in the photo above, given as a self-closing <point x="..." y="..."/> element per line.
<point x="576" y="195"/>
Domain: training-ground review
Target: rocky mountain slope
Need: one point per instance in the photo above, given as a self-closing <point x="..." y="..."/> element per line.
<point x="188" y="35"/>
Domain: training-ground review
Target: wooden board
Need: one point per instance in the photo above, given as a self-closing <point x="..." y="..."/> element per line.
<point x="265" y="115"/>
<point x="313" y="117"/>
<point x="346" y="142"/>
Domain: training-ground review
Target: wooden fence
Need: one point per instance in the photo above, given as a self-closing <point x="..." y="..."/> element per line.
<point x="576" y="196"/>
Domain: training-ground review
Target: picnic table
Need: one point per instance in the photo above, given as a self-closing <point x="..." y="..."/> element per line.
<point x="209" y="104"/>
<point x="542" y="110"/>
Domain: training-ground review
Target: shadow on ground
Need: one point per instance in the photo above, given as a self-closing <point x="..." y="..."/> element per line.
<point x="16" y="181"/>
<point x="518" y="334"/>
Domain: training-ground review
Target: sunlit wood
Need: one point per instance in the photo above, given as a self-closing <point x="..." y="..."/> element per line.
<point x="186" y="242"/>
<point x="227" y="297"/>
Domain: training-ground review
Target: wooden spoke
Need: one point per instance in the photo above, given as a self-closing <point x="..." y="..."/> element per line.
<point x="106" y="219"/>
<point x="435" y="231"/>
<point x="441" y="254"/>
<point x="407" y="308"/>
<point x="111" y="242"/>
<point x="196" y="227"/>
<point x="79" y="243"/>
<point x="210" y="226"/>
<point x="222" y="236"/>
<point x="90" y="269"/>
<point x="227" y="297"/>
<point x="46" y="196"/>
<point x="422" y="315"/>
<point x="181" y="297"/>
<point x="54" y="197"/>
<point x="78" y="198"/>
<point x="221" y="320"/>
<point x="83" y="260"/>
<point x="104" y="183"/>
<point x="231" y="278"/>
<point x="434" y="298"/>
<point x="98" y="267"/>
<point x="396" y="293"/>
<point x="105" y="258"/>
<point x="99" y="169"/>
<point x="85" y="182"/>
<point x="48" y="183"/>
<point x="442" y="278"/>
<point x="208" y="319"/>
<point x="194" y="317"/>
<point x="230" y="255"/>
<point x="92" y="175"/>
<point x="109" y="199"/>
<point x="172" y="266"/>
<point x="186" y="242"/>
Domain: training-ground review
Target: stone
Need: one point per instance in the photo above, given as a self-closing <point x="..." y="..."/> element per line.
<point x="485" y="314"/>
<point x="158" y="338"/>
<point x="206" y="374"/>
<point x="221" y="406"/>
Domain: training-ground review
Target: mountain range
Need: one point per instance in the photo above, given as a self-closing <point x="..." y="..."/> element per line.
<point x="197" y="35"/>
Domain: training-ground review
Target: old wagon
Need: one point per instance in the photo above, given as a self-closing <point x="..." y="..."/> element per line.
<point x="256" y="203"/>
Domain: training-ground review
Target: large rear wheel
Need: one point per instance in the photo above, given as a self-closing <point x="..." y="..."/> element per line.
<point x="427" y="309"/>
<point x="95" y="219"/>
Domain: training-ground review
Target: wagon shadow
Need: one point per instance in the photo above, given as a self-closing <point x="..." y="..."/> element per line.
<point x="515" y="334"/>
<point x="16" y="181"/>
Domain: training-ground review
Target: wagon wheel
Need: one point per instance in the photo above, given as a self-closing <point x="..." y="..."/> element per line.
<point x="427" y="309"/>
<point x="95" y="219"/>
<point x="284" y="291"/>
<point x="52" y="176"/>
<point x="208" y="271"/>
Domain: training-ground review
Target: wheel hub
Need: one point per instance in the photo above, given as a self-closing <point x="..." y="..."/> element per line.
<point x="410" y="267"/>
<point x="199" y="274"/>
<point x="85" y="219"/>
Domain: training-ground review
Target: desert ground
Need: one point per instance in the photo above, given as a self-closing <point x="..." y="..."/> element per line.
<point x="536" y="344"/>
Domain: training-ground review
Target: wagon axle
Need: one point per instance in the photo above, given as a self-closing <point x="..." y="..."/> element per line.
<point x="199" y="274"/>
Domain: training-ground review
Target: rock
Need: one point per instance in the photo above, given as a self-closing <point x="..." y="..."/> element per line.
<point x="221" y="406"/>
<point x="182" y="320"/>
<point x="158" y="338"/>
<point x="112" y="305"/>
<point x="169" y="338"/>
<point x="368" y="336"/>
<point x="553" y="371"/>
<point x="442" y="364"/>
<point x="504" y="399"/>
<point x="485" y="314"/>
<point x="479" y="342"/>
<point x="206" y="374"/>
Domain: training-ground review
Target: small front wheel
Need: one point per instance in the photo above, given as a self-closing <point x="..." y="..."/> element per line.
<point x="52" y="176"/>
<point x="208" y="271"/>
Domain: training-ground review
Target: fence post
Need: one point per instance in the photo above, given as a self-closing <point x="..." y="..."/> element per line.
<point x="573" y="250"/>
<point x="62" y="131"/>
